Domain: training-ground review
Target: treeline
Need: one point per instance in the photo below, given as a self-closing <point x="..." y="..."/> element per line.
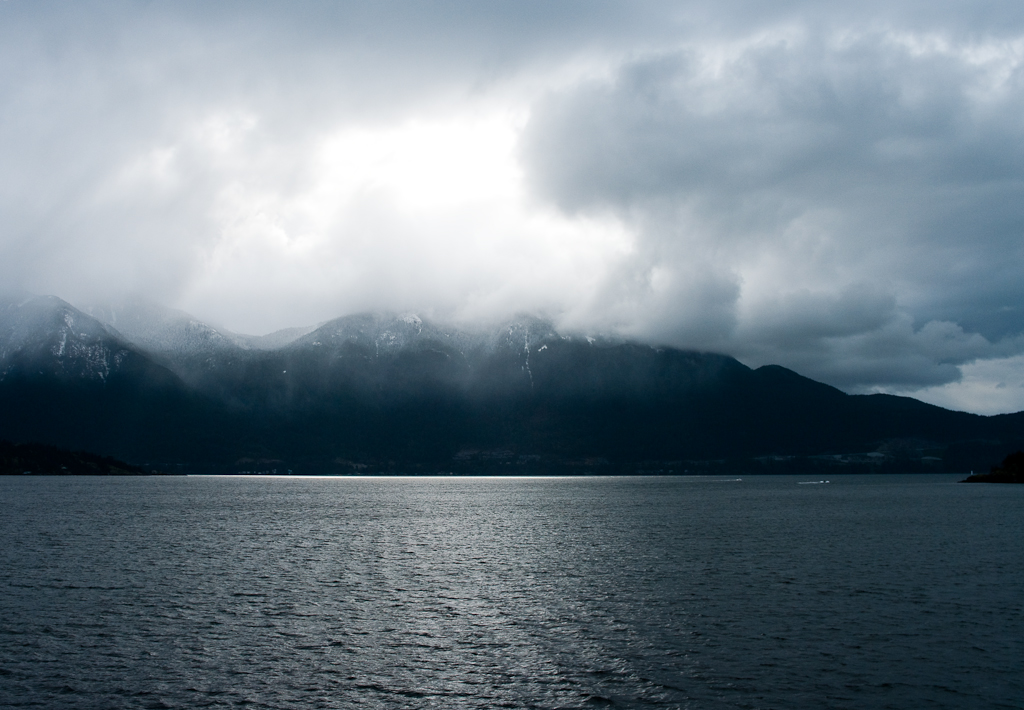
<point x="43" y="460"/>
<point x="1011" y="470"/>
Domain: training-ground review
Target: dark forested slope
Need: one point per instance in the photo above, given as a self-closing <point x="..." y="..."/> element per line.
<point x="376" y="392"/>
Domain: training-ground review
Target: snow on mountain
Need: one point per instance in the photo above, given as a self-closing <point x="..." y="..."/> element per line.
<point x="388" y="333"/>
<point x="45" y="335"/>
<point x="162" y="330"/>
<point x="382" y="334"/>
<point x="229" y="365"/>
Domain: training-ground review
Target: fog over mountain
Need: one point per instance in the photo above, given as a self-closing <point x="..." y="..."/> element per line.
<point x="397" y="393"/>
<point x="835" y="189"/>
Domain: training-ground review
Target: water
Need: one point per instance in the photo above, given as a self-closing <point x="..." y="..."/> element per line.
<point x="867" y="592"/>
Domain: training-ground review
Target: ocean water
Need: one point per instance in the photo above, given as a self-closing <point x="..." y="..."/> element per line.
<point x="676" y="592"/>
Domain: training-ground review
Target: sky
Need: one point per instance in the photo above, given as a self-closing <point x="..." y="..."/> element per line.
<point x="835" y="189"/>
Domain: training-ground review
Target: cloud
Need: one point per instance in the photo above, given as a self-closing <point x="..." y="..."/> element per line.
<point x="265" y="166"/>
<point x="830" y="187"/>
<point x="862" y="189"/>
<point x="986" y="387"/>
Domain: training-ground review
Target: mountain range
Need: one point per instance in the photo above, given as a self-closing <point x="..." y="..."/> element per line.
<point x="398" y="393"/>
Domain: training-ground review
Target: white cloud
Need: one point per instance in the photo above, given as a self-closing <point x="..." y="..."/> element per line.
<point x="428" y="215"/>
<point x="986" y="387"/>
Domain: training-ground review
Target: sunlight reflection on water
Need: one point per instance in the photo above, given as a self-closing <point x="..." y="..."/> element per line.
<point x="527" y="592"/>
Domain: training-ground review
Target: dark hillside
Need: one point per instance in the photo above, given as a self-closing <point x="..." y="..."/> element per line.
<point x="43" y="460"/>
<point x="382" y="393"/>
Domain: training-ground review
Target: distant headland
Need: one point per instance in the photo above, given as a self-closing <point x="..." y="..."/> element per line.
<point x="1011" y="470"/>
<point x="43" y="460"/>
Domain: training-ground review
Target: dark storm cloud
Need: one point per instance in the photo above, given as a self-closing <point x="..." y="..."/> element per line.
<point x="829" y="186"/>
<point x="888" y="167"/>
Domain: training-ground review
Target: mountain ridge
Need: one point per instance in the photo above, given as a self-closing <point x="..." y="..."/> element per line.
<point x="387" y="391"/>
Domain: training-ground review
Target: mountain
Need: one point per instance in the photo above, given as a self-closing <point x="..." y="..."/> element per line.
<point x="46" y="336"/>
<point x="69" y="380"/>
<point x="177" y="334"/>
<point x="200" y="354"/>
<point x="399" y="393"/>
<point x="161" y="330"/>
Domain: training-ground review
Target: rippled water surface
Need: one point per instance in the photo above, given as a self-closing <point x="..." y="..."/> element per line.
<point x="868" y="592"/>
